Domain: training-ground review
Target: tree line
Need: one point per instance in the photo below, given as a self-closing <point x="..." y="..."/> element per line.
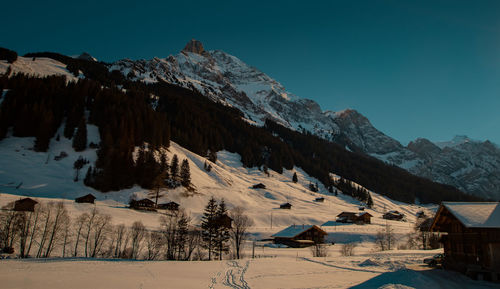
<point x="127" y="118"/>
<point x="50" y="231"/>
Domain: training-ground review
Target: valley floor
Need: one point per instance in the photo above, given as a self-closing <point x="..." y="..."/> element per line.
<point x="282" y="268"/>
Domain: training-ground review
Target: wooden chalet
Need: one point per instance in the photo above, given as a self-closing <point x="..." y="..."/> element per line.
<point x="171" y="206"/>
<point x="25" y="205"/>
<point x="144" y="204"/>
<point x="394" y="215"/>
<point x="357" y="218"/>
<point x="320" y="200"/>
<point x="300" y="236"/>
<point x="286" y="206"/>
<point x="89" y="198"/>
<point x="471" y="237"/>
<point x="259" y="186"/>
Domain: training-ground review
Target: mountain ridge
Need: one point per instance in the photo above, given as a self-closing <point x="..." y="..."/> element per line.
<point x="226" y="79"/>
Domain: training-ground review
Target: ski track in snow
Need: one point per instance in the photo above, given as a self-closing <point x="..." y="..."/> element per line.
<point x="233" y="277"/>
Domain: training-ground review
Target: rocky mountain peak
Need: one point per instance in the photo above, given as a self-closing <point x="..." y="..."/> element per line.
<point x="86" y="56"/>
<point x="194" y="46"/>
<point x="423" y="147"/>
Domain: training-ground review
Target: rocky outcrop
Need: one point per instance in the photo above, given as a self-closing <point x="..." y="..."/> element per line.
<point x="194" y="46"/>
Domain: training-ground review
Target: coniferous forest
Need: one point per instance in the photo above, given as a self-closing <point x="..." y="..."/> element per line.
<point x="126" y="117"/>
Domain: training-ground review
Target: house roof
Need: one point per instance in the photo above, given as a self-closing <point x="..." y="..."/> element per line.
<point x="87" y="196"/>
<point x="26" y="200"/>
<point x="295" y="230"/>
<point x="475" y="214"/>
<point x="357" y="214"/>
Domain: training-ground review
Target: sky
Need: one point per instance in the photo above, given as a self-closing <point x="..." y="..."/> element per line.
<point x="415" y="68"/>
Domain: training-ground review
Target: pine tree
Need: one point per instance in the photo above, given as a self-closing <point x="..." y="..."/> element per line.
<point x="369" y="202"/>
<point x="209" y="227"/>
<point x="185" y="173"/>
<point x="222" y="236"/>
<point x="88" y="177"/>
<point x="80" y="140"/>
<point x="294" y="178"/>
<point x="174" y="168"/>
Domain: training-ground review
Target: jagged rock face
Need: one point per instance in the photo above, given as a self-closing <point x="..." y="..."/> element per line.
<point x="423" y="147"/>
<point x="470" y="166"/>
<point x="194" y="46"/>
<point x="363" y="135"/>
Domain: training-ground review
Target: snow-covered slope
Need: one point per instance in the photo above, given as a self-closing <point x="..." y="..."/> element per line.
<point x="468" y="165"/>
<point x="227" y="79"/>
<point x="39" y="66"/>
<point x="35" y="174"/>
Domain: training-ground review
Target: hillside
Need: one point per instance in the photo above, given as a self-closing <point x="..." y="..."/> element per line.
<point x="226" y="79"/>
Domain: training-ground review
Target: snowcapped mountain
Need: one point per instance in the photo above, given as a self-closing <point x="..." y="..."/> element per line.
<point x="226" y="79"/>
<point x="470" y="166"/>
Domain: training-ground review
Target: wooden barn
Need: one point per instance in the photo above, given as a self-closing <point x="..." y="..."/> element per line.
<point x="319" y="200"/>
<point x="144" y="204"/>
<point x="357" y="218"/>
<point x="171" y="206"/>
<point x="286" y="206"/>
<point x="89" y="198"/>
<point x="299" y="236"/>
<point x="259" y="186"/>
<point x="471" y="237"/>
<point x="394" y="215"/>
<point x="25" y="205"/>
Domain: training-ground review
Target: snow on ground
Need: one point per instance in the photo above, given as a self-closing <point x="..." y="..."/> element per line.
<point x="24" y="172"/>
<point x="390" y="269"/>
<point x="41" y="66"/>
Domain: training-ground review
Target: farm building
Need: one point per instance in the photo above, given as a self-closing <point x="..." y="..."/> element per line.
<point x="472" y="237"/>
<point x="259" y="186"/>
<point x="394" y="215"/>
<point x="357" y="218"/>
<point x="319" y="200"/>
<point x="89" y="198"/>
<point x="144" y="204"/>
<point x="299" y="236"/>
<point x="287" y="206"/>
<point x="171" y="206"/>
<point x="25" y="205"/>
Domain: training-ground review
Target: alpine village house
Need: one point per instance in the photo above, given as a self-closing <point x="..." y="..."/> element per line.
<point x="299" y="236"/>
<point x="471" y="237"/>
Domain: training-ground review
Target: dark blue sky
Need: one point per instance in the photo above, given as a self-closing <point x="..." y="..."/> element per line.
<point x="414" y="68"/>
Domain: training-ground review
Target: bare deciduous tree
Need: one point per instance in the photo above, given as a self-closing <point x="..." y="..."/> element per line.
<point x="238" y="232"/>
<point x="154" y="244"/>
<point x="8" y="227"/>
<point x="137" y="233"/>
<point x="120" y="235"/>
<point x="385" y="238"/>
<point x="100" y="230"/>
<point x="80" y="223"/>
<point x="348" y="249"/>
<point x="57" y="224"/>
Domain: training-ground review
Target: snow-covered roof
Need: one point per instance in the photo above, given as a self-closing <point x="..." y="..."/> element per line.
<point x="293" y="231"/>
<point x="475" y="214"/>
